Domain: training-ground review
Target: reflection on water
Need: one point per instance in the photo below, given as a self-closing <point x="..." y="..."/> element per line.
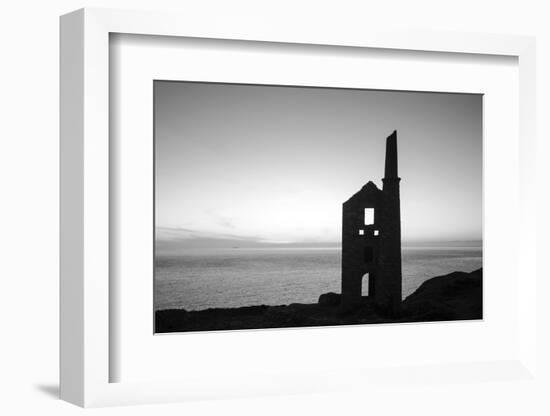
<point x="207" y="278"/>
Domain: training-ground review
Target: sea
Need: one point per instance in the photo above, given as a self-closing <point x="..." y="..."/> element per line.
<point x="198" y="279"/>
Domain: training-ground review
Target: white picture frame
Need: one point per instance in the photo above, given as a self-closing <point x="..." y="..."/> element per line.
<point x="85" y="205"/>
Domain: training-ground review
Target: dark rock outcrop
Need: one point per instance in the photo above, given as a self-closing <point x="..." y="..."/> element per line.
<point x="456" y="296"/>
<point x="329" y="299"/>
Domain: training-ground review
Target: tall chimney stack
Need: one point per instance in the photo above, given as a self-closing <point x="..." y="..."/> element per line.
<point x="391" y="156"/>
<point x="390" y="290"/>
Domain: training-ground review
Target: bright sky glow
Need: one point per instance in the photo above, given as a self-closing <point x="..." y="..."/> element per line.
<point x="274" y="164"/>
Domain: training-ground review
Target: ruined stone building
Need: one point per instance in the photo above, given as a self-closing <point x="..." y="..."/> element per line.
<point x="371" y="240"/>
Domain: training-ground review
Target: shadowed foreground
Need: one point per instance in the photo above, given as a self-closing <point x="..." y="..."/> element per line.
<point x="456" y="296"/>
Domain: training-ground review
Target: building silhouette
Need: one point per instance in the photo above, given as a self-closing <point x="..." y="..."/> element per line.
<point x="371" y="240"/>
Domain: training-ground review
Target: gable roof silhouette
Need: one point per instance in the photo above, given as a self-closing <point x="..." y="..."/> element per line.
<point x="369" y="193"/>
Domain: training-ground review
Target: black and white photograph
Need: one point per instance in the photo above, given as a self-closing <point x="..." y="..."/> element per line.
<point x="283" y="206"/>
<point x="276" y="208"/>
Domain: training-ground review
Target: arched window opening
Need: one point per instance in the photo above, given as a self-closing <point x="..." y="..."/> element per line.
<point x="365" y="285"/>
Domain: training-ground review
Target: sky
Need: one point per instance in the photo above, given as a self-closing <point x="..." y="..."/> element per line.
<point x="273" y="165"/>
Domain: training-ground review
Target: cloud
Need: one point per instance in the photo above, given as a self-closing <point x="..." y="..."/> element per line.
<point x="174" y="234"/>
<point x="172" y="241"/>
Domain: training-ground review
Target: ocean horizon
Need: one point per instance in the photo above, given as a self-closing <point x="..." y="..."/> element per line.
<point x="202" y="278"/>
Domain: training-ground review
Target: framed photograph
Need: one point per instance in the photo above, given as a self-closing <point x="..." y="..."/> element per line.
<point x="252" y="210"/>
<point x="251" y="227"/>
